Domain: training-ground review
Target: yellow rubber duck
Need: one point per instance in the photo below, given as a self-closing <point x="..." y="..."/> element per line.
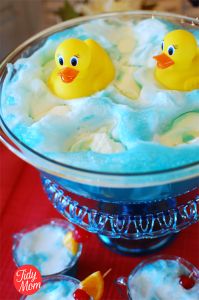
<point x="178" y="64"/>
<point x="82" y="68"/>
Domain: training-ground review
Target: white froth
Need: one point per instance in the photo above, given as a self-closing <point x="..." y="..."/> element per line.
<point x="44" y="248"/>
<point x="120" y="128"/>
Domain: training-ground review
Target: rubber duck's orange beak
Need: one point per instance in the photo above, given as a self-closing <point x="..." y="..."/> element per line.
<point x="68" y="74"/>
<point x="163" y="61"/>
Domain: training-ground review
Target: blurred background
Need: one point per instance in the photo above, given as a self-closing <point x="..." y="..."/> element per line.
<point x="20" y="19"/>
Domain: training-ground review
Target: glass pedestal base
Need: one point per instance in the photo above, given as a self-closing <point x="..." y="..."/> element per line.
<point x="136" y="247"/>
<point x="133" y="228"/>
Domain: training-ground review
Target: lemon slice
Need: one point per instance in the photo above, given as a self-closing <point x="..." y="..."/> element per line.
<point x="70" y="243"/>
<point x="126" y="84"/>
<point x="184" y="130"/>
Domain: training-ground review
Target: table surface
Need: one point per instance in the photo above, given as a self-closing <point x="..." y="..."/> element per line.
<point x="23" y="203"/>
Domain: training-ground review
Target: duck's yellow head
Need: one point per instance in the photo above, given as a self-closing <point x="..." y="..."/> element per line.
<point x="72" y="58"/>
<point x="179" y="48"/>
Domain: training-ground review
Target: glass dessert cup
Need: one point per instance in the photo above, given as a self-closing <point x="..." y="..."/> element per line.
<point x="69" y="268"/>
<point x="57" y="278"/>
<point x="132" y="213"/>
<point x="125" y="284"/>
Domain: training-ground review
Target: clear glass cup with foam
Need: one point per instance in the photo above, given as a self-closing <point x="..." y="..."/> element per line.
<point x="55" y="287"/>
<point x="42" y="245"/>
<point x="159" y="278"/>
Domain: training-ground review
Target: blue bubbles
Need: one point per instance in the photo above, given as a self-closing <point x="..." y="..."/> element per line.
<point x="11" y="100"/>
<point x="53" y="126"/>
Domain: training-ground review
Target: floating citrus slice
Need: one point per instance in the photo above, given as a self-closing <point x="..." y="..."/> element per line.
<point x="126" y="84"/>
<point x="70" y="243"/>
<point x="183" y="130"/>
<point x="93" y="285"/>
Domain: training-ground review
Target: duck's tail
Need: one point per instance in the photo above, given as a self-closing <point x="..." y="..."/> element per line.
<point x="192" y="84"/>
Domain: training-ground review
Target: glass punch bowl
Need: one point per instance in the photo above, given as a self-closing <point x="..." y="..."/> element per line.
<point x="131" y="213"/>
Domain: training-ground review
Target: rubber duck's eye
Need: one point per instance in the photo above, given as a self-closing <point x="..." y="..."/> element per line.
<point x="74" y="61"/>
<point x="61" y="60"/>
<point x="171" y="50"/>
<point x="162" y="46"/>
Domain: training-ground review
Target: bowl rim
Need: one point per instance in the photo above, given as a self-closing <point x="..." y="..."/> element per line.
<point x="61" y="26"/>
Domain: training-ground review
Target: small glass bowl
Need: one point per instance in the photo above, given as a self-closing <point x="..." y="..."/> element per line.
<point x="56" y="279"/>
<point x="124" y="283"/>
<point x="70" y="268"/>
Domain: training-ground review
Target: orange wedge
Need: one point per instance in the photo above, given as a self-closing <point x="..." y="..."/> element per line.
<point x="70" y="243"/>
<point x="93" y="285"/>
